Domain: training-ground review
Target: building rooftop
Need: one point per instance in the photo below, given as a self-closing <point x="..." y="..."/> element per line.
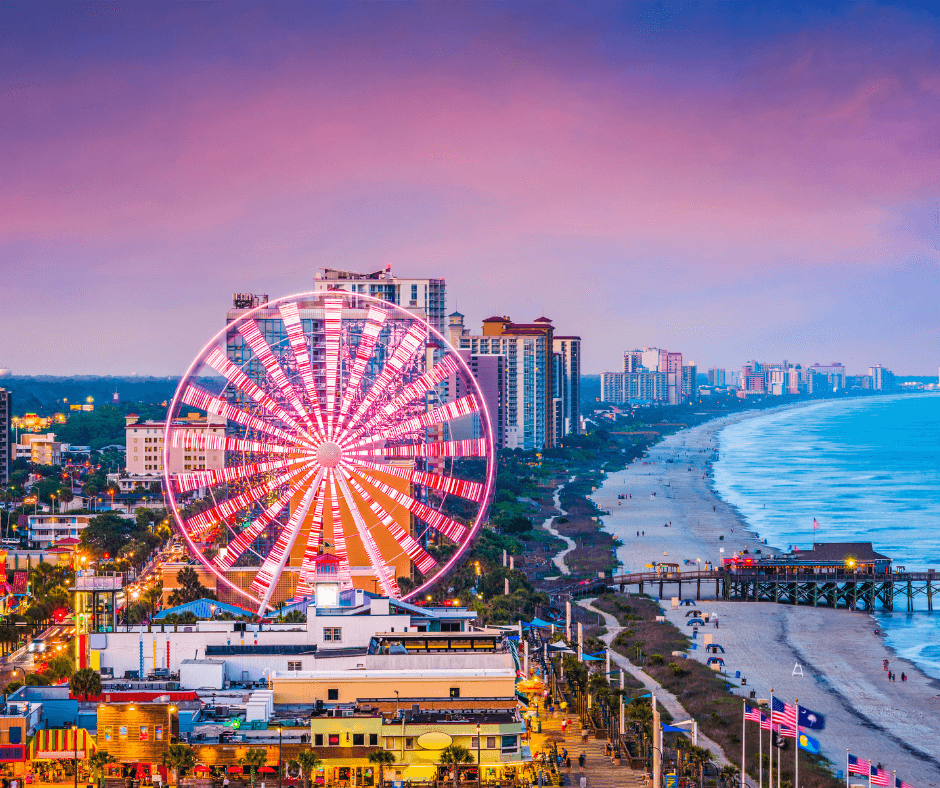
<point x="840" y="551"/>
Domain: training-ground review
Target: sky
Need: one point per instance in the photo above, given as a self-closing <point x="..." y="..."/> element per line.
<point x="734" y="181"/>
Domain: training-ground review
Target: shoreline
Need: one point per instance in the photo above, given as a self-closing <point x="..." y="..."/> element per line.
<point x="877" y="722"/>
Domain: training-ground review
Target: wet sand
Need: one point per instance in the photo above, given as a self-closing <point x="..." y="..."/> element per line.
<point x="894" y="723"/>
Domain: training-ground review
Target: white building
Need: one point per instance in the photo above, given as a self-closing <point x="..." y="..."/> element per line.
<point x="427" y="298"/>
<point x="47" y="529"/>
<point x="42" y="449"/>
<point x="144" y="441"/>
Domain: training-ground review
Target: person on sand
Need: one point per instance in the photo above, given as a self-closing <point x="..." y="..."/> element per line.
<point x="582" y="758"/>
<point x="903" y="677"/>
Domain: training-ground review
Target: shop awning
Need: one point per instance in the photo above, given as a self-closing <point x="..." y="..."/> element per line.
<point x="58" y="744"/>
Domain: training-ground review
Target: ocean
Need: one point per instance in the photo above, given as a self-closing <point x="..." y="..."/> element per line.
<point x="867" y="469"/>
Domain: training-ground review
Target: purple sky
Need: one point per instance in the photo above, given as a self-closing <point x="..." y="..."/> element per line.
<point x="720" y="179"/>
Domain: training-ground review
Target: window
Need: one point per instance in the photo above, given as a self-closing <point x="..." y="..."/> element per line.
<point x="373" y="740"/>
<point x="455" y="692"/>
<point x="390" y="743"/>
<point x="409" y="743"/>
<point x="450" y="626"/>
<point x="333" y="634"/>
<point x="334" y="740"/>
<point x="509" y="742"/>
<point x="491" y="742"/>
<point x="318" y="740"/>
<point x="298" y="665"/>
<point x="359" y="739"/>
<point x="474" y="742"/>
<point x="332" y="694"/>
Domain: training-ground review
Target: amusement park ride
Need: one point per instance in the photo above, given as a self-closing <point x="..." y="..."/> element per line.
<point x="352" y="428"/>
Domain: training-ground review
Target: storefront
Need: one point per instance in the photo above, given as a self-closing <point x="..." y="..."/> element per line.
<point x="56" y="753"/>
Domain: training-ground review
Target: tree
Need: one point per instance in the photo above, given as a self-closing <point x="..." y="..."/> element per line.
<point x="85" y="682"/>
<point x="382" y="758"/>
<point x="700" y="756"/>
<point x="455" y="755"/>
<point x="107" y="534"/>
<point x="190" y="589"/>
<point x="180" y="759"/>
<point x="309" y="762"/>
<point x="99" y="760"/>
<point x="254" y="759"/>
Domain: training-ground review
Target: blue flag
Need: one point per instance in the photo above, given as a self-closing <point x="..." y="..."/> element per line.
<point x="808" y="743"/>
<point x="811" y="719"/>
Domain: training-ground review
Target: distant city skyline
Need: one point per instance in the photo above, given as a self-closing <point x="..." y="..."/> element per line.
<point x="741" y="181"/>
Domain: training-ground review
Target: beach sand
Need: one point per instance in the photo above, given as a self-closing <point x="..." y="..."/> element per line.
<point x="894" y="723"/>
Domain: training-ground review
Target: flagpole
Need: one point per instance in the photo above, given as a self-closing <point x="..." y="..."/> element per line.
<point x="771" y="748"/>
<point x="760" y="754"/>
<point x="743" y="737"/>
<point x="846" y="769"/>
<point x="796" y="749"/>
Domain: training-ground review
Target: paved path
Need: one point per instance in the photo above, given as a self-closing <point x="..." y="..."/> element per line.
<point x="599" y="769"/>
<point x="559" y="558"/>
<point x="665" y="698"/>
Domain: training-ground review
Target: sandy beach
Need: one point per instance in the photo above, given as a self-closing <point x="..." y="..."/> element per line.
<point x="840" y="655"/>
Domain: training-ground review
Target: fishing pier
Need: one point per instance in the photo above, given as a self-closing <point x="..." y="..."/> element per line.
<point x="847" y="575"/>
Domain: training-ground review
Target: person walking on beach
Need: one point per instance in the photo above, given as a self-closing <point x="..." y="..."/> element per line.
<point x="903" y="678"/>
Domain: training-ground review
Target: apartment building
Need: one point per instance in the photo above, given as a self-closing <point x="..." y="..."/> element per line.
<point x="426" y="297"/>
<point x="144" y="444"/>
<point x="6" y="448"/>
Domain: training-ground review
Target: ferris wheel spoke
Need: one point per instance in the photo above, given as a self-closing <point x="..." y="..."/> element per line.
<point x="386" y="580"/>
<point x="424" y="561"/>
<point x="339" y="535"/>
<point x="273" y="564"/>
<point x="201" y="522"/>
<point x="443" y="369"/>
<point x="471" y="491"/>
<point x="200" y="398"/>
<point x="218" y="361"/>
<point x="375" y="319"/>
<point x="193" y="480"/>
<point x="472" y="447"/>
<point x="312" y="551"/>
<point x="404" y="352"/>
<point x="465" y="406"/>
<point x="290" y="314"/>
<point x="262" y="350"/>
<point x="245" y="539"/>
<point x="333" y="327"/>
<point x="441" y="523"/>
<point x="190" y="439"/>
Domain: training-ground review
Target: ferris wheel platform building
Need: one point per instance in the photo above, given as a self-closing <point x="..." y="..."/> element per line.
<point x="356" y="441"/>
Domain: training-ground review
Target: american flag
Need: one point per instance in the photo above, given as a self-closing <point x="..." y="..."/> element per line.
<point x="859" y="766"/>
<point x="815" y="524"/>
<point x="785" y="731"/>
<point x="752" y="714"/>
<point x="880" y="776"/>
<point x="899" y="783"/>
<point x="764" y="722"/>
<point x="784" y="713"/>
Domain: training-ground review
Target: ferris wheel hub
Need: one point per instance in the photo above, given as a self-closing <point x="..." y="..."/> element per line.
<point x="329" y="454"/>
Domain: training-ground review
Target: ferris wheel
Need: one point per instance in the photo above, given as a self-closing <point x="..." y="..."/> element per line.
<point x="328" y="423"/>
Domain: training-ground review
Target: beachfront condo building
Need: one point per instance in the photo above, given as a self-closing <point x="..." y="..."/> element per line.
<point x="567" y="378"/>
<point x="426" y="297"/>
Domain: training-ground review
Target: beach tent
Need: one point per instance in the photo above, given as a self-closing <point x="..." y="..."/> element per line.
<point x="714" y="648"/>
<point x="688" y="602"/>
<point x="691" y="613"/>
<point x="715" y="661"/>
<point x="695" y="622"/>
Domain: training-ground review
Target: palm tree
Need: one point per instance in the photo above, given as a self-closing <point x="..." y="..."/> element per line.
<point x="254" y="759"/>
<point x="383" y="758"/>
<point x="455" y="755"/>
<point x="700" y="756"/>
<point x="99" y="760"/>
<point x="180" y="759"/>
<point x="729" y="774"/>
<point x="309" y="762"/>
<point x="85" y="682"/>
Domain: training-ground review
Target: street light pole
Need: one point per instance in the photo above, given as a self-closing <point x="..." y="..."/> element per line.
<point x="479" y="764"/>
<point x="75" y="759"/>
<point x="279" y="732"/>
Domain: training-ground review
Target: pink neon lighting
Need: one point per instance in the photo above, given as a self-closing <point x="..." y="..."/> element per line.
<point x="465" y="406"/>
<point x="333" y="319"/>
<point x="200" y="398"/>
<point x="406" y="541"/>
<point x="472" y="447"/>
<point x="290" y="314"/>
<point x="298" y="447"/>
<point x="472" y="491"/>
<point x="375" y="319"/>
<point x="339" y="536"/>
<point x="439" y="522"/>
